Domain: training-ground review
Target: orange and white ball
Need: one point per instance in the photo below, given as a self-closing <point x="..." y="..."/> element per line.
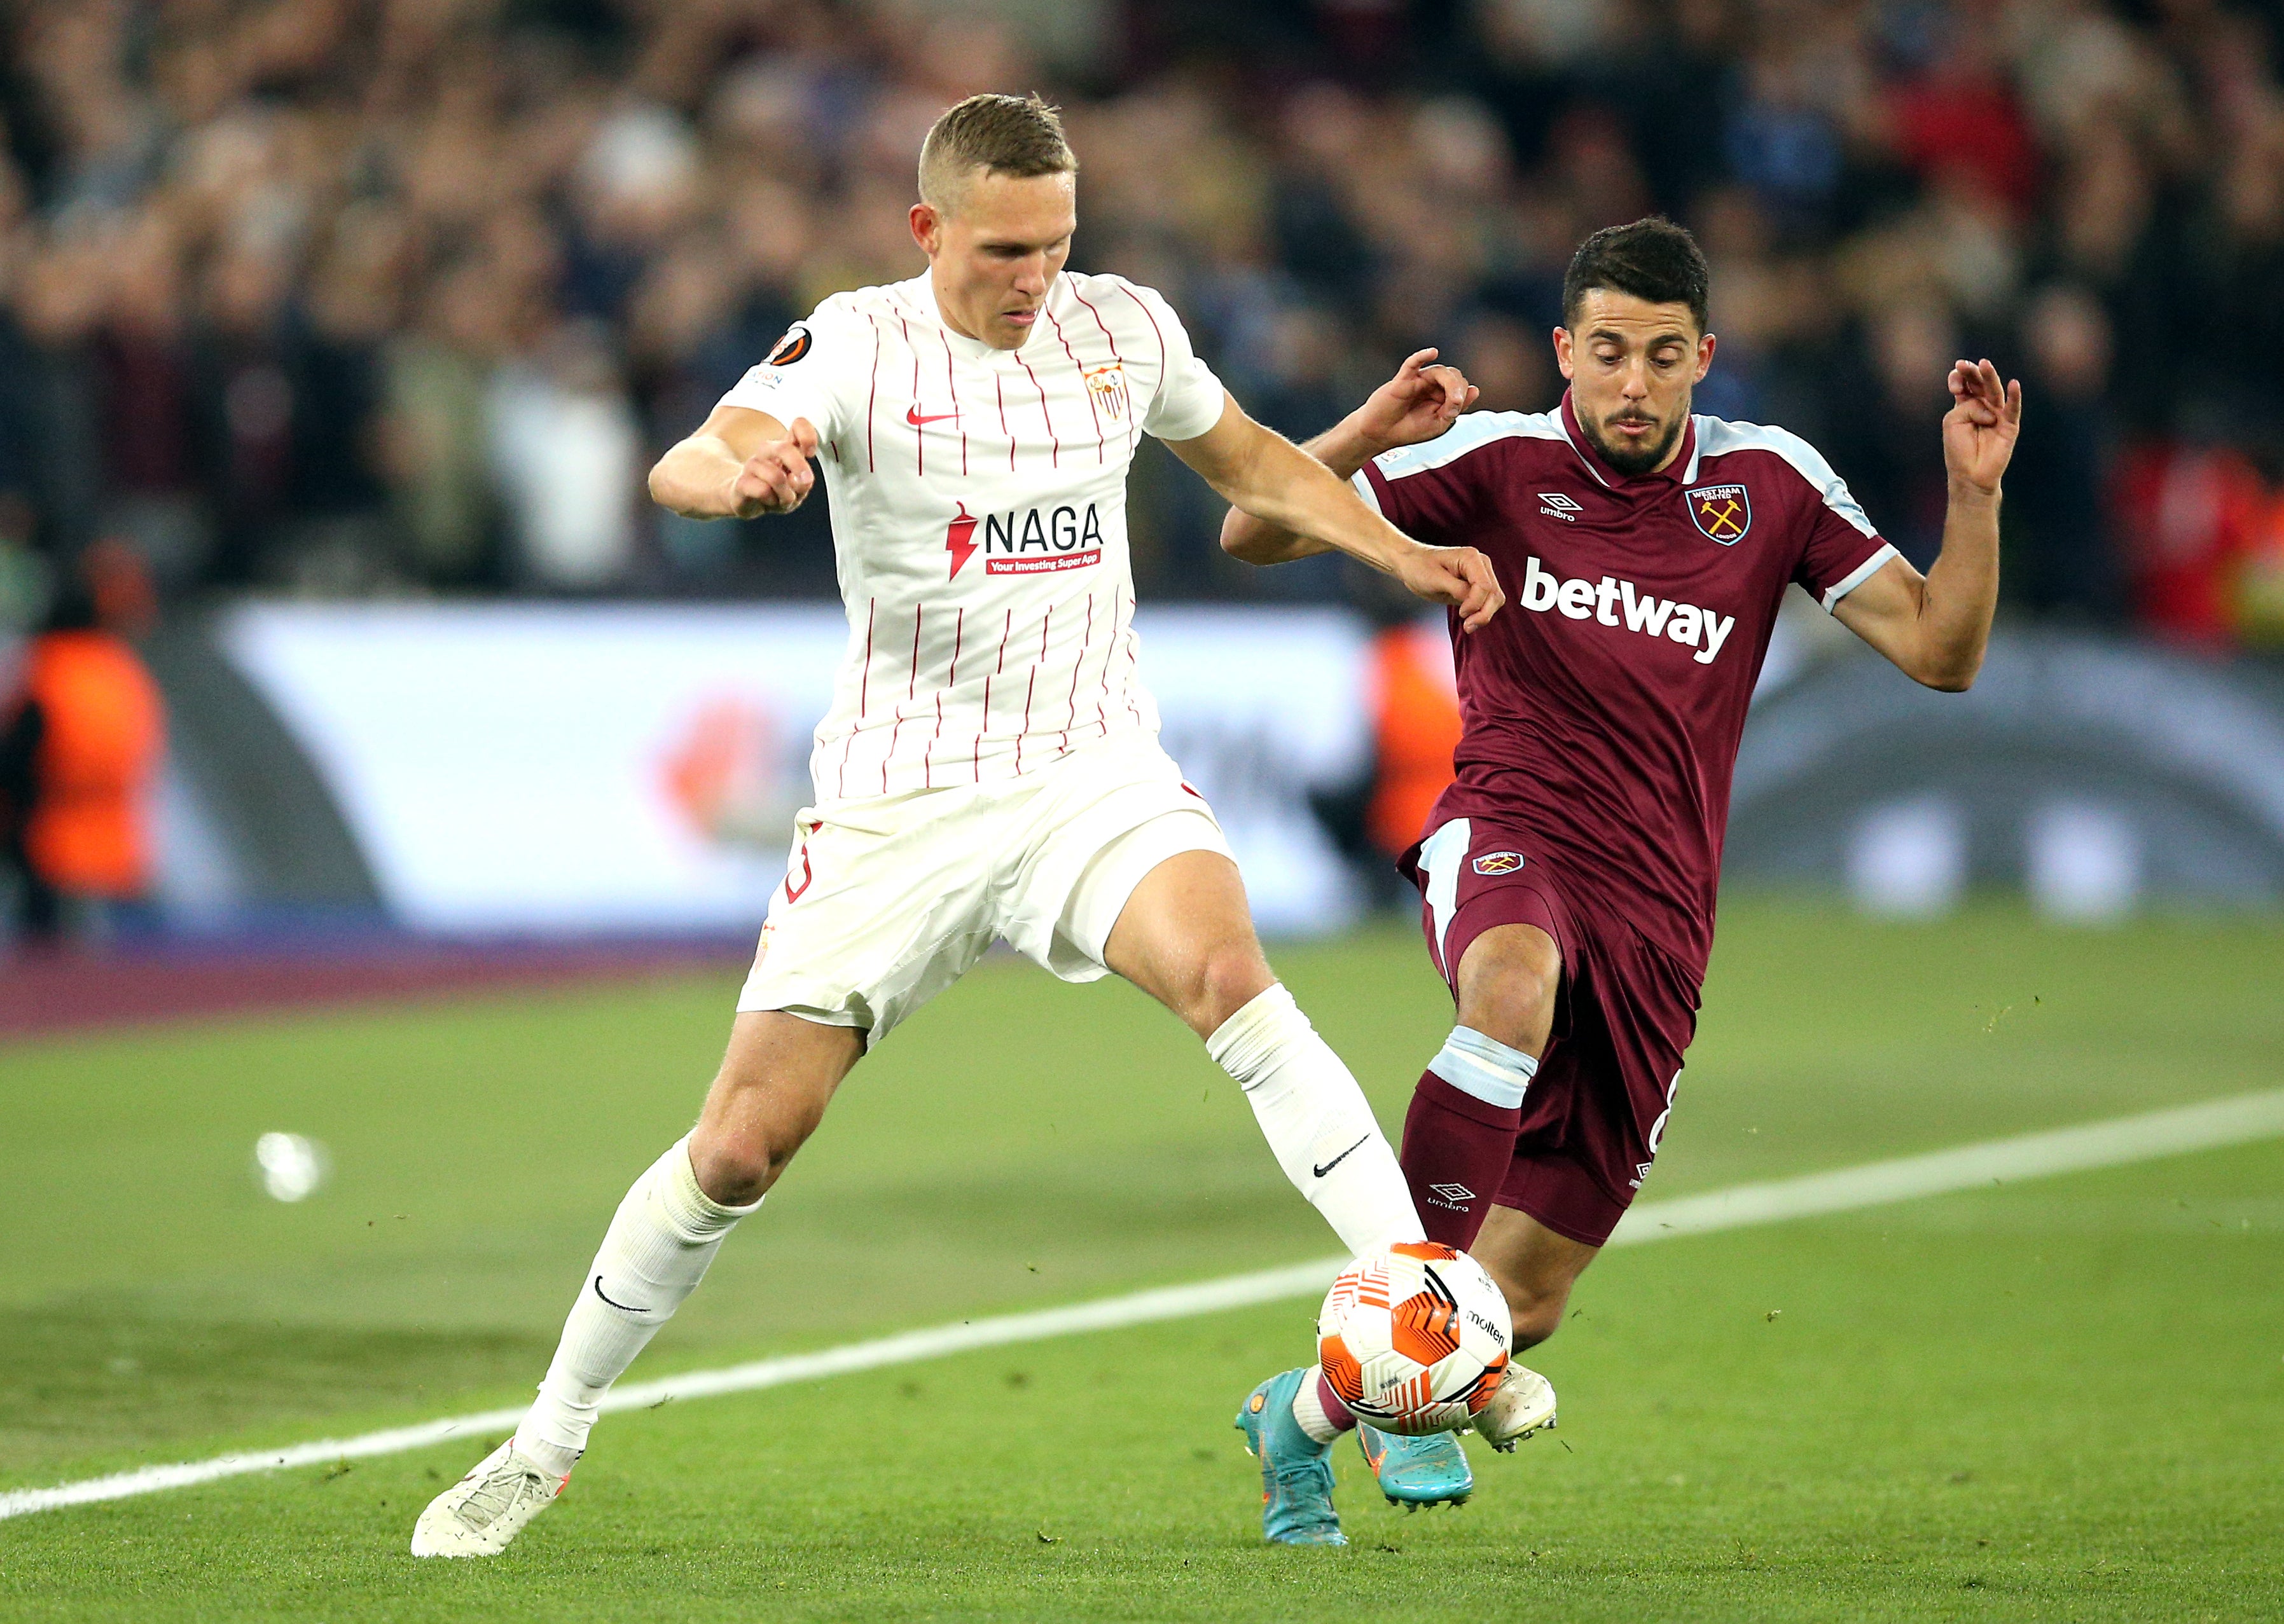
<point x="1414" y="1339"/>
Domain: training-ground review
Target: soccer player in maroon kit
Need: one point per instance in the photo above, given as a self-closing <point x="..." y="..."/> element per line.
<point x="1568" y="875"/>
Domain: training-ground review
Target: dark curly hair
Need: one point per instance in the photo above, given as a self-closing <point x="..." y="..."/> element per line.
<point x="1652" y="259"/>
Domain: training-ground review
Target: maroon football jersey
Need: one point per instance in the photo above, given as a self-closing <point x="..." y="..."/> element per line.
<point x="1602" y="706"/>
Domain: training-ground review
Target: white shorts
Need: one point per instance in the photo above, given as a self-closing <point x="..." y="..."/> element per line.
<point x="889" y="901"/>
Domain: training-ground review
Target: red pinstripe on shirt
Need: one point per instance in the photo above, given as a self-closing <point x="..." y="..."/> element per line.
<point x="1005" y="633"/>
<point x="911" y="691"/>
<point x="864" y="689"/>
<point x="1115" y="356"/>
<point x="1069" y="720"/>
<point x="874" y="393"/>
<point x="952" y="389"/>
<point x="1056" y="460"/>
<point x="919" y="434"/>
<point x="1030" y="687"/>
<point x="951" y="681"/>
<point x="1156" y="332"/>
<point x="1101" y="452"/>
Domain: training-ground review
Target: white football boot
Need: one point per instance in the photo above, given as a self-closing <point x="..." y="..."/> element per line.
<point x="1524" y="1404"/>
<point x="481" y="1512"/>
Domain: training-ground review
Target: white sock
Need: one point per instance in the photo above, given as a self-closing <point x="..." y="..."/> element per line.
<point x="654" y="1255"/>
<point x="1309" y="1408"/>
<point x="1318" y="1122"/>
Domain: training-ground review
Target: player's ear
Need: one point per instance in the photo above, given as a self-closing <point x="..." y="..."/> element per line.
<point x="1562" y="351"/>
<point x="927" y="228"/>
<point x="1704" y="357"/>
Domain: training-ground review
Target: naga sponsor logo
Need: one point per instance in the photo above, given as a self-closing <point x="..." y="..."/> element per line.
<point x="1554" y="505"/>
<point x="1498" y="862"/>
<point x="1603" y="601"/>
<point x="1026" y="541"/>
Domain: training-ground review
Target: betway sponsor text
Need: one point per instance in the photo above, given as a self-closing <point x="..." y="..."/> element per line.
<point x="1613" y="602"/>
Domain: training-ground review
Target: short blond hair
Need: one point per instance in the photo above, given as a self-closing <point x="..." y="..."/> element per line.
<point x="1020" y="136"/>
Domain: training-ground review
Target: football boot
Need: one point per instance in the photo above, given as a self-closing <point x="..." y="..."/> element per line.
<point x="481" y="1512"/>
<point x="1297" y="1478"/>
<point x="1524" y="1404"/>
<point x="1431" y="1470"/>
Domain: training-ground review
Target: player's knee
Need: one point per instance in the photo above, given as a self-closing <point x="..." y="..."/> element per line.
<point x="744" y="1140"/>
<point x="736" y="1167"/>
<point x="1229" y="975"/>
<point x="1508" y="992"/>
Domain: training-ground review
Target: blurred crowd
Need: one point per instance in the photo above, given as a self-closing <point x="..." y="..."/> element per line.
<point x="351" y="297"/>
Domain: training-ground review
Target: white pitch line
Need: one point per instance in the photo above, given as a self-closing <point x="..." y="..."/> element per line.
<point x="2236" y="1121"/>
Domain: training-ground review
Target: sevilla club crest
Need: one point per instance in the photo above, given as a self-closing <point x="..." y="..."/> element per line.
<point x="1106" y="387"/>
<point x="1723" y="512"/>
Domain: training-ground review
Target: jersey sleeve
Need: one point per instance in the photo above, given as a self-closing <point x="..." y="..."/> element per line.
<point x="1188" y="399"/>
<point x="1842" y="550"/>
<point x="816" y="371"/>
<point x="1424" y="491"/>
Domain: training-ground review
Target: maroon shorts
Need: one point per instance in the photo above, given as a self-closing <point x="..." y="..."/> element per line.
<point x="1593" y="1115"/>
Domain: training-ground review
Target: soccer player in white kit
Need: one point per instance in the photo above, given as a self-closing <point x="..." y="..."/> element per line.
<point x="990" y="765"/>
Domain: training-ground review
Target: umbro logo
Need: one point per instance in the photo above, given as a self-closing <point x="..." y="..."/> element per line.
<point x="1554" y="505"/>
<point x="1452" y="1198"/>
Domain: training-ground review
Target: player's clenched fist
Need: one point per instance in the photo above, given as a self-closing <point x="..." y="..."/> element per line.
<point x="1459" y="576"/>
<point x="776" y="479"/>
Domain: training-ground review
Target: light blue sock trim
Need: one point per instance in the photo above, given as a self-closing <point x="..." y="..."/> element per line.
<point x="1485" y="1067"/>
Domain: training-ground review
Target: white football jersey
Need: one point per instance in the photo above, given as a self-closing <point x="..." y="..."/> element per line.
<point x="979" y="519"/>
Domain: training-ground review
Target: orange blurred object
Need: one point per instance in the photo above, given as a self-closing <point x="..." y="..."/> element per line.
<point x="97" y="766"/>
<point x="1416" y="726"/>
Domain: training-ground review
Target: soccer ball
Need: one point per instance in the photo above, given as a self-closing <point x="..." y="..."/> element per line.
<point x="1414" y="1339"/>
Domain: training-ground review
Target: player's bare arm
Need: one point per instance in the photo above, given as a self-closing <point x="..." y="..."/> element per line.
<point x="1935" y="626"/>
<point x="739" y="465"/>
<point x="1260" y="472"/>
<point x="1419" y="403"/>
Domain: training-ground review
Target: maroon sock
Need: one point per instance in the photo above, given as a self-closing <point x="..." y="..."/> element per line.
<point x="1456" y="1152"/>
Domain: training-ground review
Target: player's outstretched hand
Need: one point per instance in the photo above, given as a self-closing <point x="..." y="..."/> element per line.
<point x="1460" y="576"/>
<point x="1979" y="430"/>
<point x="776" y="479"/>
<point x="1419" y="403"/>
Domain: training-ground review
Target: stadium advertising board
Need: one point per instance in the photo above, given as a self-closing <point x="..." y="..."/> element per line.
<point x="615" y="767"/>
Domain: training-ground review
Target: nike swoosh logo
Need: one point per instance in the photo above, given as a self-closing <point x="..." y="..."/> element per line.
<point x="1320" y="1173"/>
<point x="912" y="416"/>
<point x="623" y="1308"/>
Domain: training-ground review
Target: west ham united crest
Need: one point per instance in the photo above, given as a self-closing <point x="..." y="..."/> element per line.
<point x="1723" y="512"/>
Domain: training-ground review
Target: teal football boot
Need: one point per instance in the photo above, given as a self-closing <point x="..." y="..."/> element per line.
<point x="1296" y="1479"/>
<point x="1417" y="1471"/>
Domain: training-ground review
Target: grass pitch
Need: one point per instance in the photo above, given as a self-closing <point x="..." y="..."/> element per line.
<point x="2056" y="1400"/>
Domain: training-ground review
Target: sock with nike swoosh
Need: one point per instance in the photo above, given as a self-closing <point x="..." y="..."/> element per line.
<point x="1317" y="1120"/>
<point x="654" y="1253"/>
